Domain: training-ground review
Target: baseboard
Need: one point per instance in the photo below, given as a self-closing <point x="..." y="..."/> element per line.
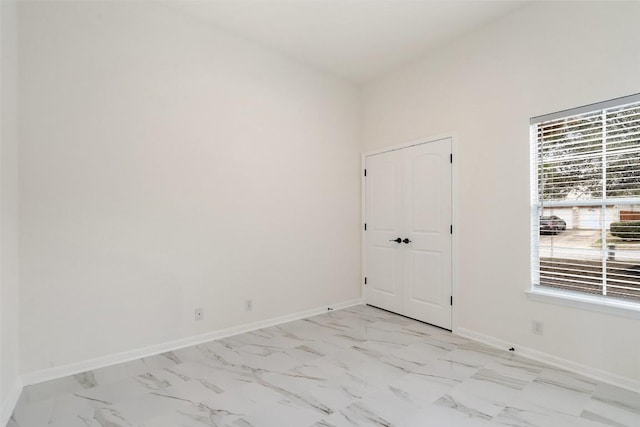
<point x="558" y="362"/>
<point x="114" y="359"/>
<point x="9" y="402"/>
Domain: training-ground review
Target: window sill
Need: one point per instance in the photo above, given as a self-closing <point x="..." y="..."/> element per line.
<point x="586" y="302"/>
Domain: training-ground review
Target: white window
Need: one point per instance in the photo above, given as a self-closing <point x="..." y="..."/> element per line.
<point x="586" y="200"/>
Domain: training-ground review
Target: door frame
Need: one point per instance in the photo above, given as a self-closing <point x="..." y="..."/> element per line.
<point x="454" y="212"/>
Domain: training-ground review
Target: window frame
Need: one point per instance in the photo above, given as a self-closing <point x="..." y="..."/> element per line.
<point x="539" y="293"/>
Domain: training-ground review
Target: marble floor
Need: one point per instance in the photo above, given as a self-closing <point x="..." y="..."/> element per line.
<point x="354" y="367"/>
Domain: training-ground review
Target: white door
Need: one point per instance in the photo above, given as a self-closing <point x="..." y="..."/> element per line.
<point x="383" y="227"/>
<point x="408" y="196"/>
<point x="427" y="223"/>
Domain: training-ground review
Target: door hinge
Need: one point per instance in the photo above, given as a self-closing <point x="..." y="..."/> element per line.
<point x="451" y="158"/>
<point x="365" y="172"/>
<point x="451" y="229"/>
<point x="365" y="226"/>
<point x="365" y="280"/>
<point x="451" y="299"/>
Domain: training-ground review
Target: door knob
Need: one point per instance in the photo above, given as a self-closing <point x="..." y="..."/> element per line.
<point x="407" y="241"/>
<point x="398" y="240"/>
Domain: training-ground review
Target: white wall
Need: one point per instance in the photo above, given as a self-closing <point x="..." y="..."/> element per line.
<point x="485" y="87"/>
<point x="165" y="166"/>
<point x="8" y="210"/>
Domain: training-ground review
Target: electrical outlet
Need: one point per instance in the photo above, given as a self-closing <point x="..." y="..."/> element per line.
<point x="537" y="327"/>
<point x="198" y="314"/>
<point x="248" y="305"/>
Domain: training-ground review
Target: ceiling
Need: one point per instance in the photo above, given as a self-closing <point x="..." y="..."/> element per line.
<point x="358" y="40"/>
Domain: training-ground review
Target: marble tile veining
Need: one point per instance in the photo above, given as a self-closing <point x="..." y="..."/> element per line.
<point x="354" y="367"/>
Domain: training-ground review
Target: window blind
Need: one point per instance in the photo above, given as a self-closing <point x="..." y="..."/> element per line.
<point x="586" y="199"/>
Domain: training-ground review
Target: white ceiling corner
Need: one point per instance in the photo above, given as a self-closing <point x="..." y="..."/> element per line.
<point x="355" y="39"/>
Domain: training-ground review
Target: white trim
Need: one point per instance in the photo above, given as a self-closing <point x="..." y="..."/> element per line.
<point x="597" y="303"/>
<point x="363" y="236"/>
<point x="453" y="136"/>
<point x="455" y="266"/>
<point x="584" y="203"/>
<point x="585" y="109"/>
<point x="408" y="144"/>
<point x="127" y="356"/>
<point x="9" y="402"/>
<point x="558" y="362"/>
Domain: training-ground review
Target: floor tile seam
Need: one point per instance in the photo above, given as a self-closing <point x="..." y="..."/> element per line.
<point x="372" y="391"/>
